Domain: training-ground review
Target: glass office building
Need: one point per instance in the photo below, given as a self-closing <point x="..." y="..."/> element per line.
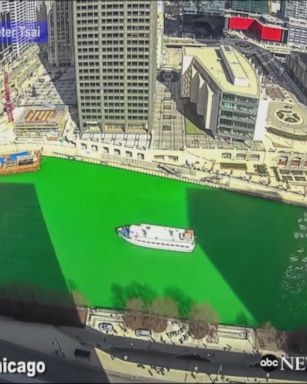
<point x="237" y="116"/>
<point x="250" y="6"/>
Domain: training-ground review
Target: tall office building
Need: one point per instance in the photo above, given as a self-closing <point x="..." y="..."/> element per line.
<point x="19" y="12"/>
<point x="60" y="37"/>
<point x="37" y="11"/>
<point x="115" y="57"/>
<point x="297" y="33"/>
<point x="250" y="6"/>
<point x="32" y="10"/>
<point x="224" y="90"/>
<point x="5" y="43"/>
<point x="294" y="8"/>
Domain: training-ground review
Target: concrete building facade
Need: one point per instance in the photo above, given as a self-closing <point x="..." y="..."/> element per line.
<point x="115" y="58"/>
<point x="60" y="27"/>
<point x="35" y="10"/>
<point x="20" y="12"/>
<point x="5" y="43"/>
<point x="160" y="33"/>
<point x="297" y="66"/>
<point x="224" y="89"/>
<point x="297" y="33"/>
<point x="294" y="8"/>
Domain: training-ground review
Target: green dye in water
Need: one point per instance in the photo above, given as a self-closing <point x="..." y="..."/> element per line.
<point x="58" y="234"/>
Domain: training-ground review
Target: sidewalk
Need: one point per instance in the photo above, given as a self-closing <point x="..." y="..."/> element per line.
<point x="228" y="338"/>
<point x="60" y="342"/>
<point x="148" y="373"/>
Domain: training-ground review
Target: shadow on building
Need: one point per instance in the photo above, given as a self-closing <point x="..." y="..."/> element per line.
<point x="62" y="78"/>
<point x="171" y="80"/>
<point x="203" y="26"/>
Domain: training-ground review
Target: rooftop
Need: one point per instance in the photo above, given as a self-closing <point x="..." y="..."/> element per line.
<point x="271" y="19"/>
<point x="155" y="232"/>
<point x="235" y="69"/>
<point x="287" y="117"/>
<point x="209" y="58"/>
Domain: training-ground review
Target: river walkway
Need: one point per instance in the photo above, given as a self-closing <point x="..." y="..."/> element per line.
<point x="181" y="173"/>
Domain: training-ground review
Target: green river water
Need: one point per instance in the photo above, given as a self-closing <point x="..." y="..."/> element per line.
<point x="57" y="236"/>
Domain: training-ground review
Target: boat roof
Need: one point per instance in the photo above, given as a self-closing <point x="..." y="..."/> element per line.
<point x="163" y="233"/>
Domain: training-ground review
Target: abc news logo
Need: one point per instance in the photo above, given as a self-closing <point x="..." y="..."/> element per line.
<point x="294" y="363"/>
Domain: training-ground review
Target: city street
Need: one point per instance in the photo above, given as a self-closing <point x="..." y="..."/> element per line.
<point x="168" y="356"/>
<point x="58" y="368"/>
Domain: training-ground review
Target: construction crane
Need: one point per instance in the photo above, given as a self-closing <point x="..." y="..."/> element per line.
<point x="8" y="106"/>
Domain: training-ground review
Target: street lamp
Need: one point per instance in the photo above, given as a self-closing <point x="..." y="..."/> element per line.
<point x="60" y="348"/>
<point x="220" y="370"/>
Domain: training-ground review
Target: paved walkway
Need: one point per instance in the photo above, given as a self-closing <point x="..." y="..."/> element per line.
<point x="229" y="182"/>
<point x="236" y="339"/>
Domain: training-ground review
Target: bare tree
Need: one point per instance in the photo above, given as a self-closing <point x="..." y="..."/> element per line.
<point x="135" y="305"/>
<point x="267" y="334"/>
<point x="164" y="306"/>
<point x="203" y="320"/>
<point x="160" y="310"/>
<point x="79" y="299"/>
<point x="134" y="313"/>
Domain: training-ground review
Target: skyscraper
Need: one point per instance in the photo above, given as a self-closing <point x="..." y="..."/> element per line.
<point x="60" y="38"/>
<point x="294" y="8"/>
<point x="20" y="12"/>
<point x="115" y="58"/>
<point x="32" y="9"/>
<point x="5" y="43"/>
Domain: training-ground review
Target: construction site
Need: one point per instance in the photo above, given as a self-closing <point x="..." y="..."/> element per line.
<point x="41" y="122"/>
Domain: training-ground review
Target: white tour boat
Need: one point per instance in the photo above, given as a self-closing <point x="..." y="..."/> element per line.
<point x="155" y="236"/>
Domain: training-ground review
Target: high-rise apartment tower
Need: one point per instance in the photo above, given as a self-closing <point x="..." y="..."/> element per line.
<point x="60" y="37"/>
<point x="294" y="8"/>
<point x="115" y="57"/>
<point x="19" y="12"/>
<point x="5" y="43"/>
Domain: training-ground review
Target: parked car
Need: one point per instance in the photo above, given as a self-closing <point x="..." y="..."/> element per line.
<point x="143" y="332"/>
<point x="105" y="327"/>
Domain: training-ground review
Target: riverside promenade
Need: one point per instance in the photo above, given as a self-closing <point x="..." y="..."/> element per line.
<point x="181" y="173"/>
<point x="237" y="339"/>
